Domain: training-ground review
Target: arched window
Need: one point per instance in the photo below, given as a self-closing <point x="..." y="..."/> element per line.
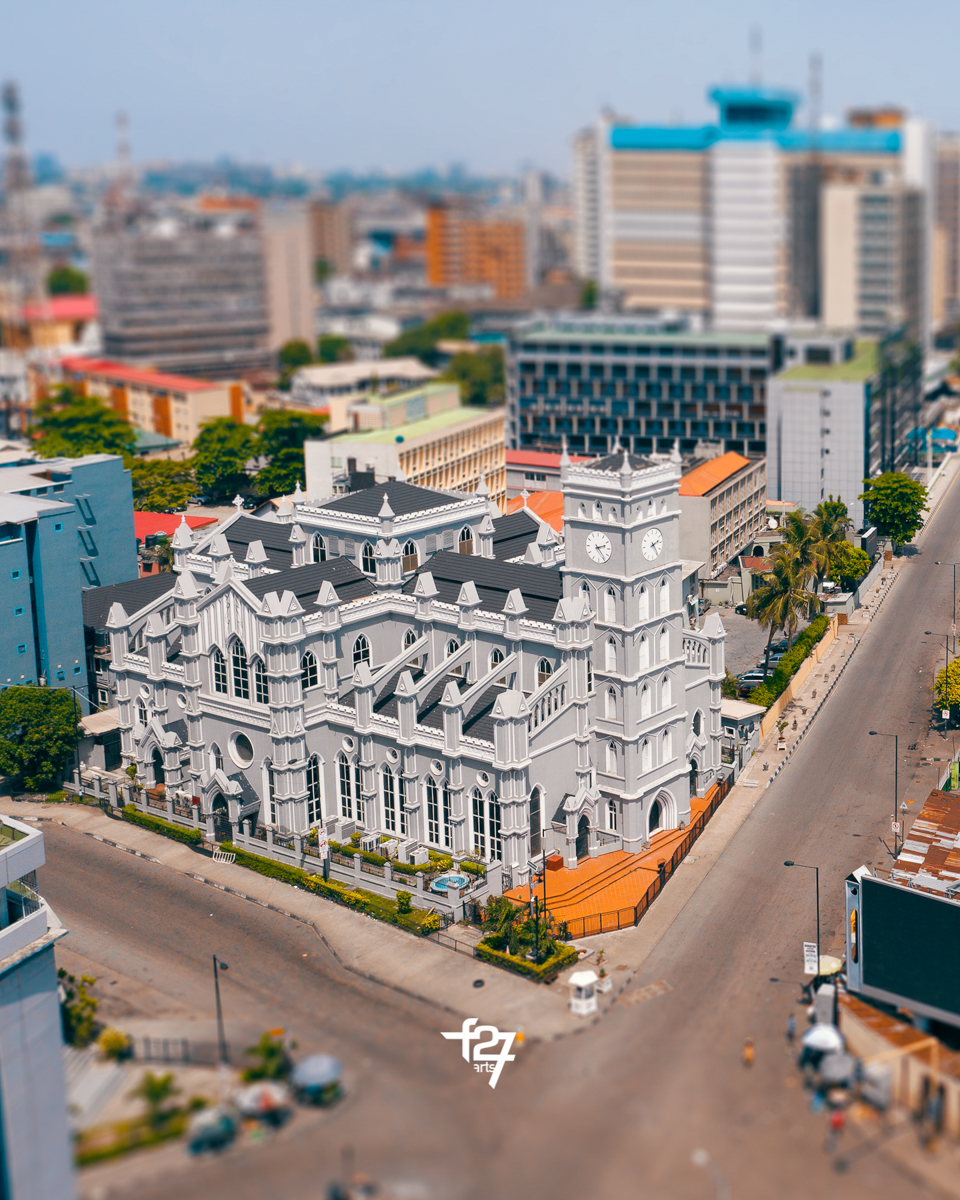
<point x="367" y="562"/>
<point x="493" y="826"/>
<point x="666" y="692"/>
<point x="664" y="644"/>
<point x="433" y="813"/>
<point x="644" y="652"/>
<point x="582" y="511"/>
<point x="610" y="704"/>
<point x="409" y="639"/>
<point x="611" y="655"/>
<point x="216" y="758"/>
<point x="465" y="541"/>
<point x="318" y="548"/>
<point x="308" y="671"/>
<point x="411" y="557"/>
<point x="598" y="511"/>
<point x="646" y="756"/>
<point x="644" y="604"/>
<point x="697" y="723"/>
<point x="496" y="658"/>
<point x="447" y="805"/>
<point x="260" y="686"/>
<point x="345" y="779"/>
<point x="610" y="605"/>
<point x="612" y="815"/>
<point x="313" y="790"/>
<point x="536" y="808"/>
<point x="361" y="651"/>
<point x="479" y="825"/>
<point x="388" y="796"/>
<point x="589" y="677"/>
<point x="611" y="758"/>
<point x="664" y="596"/>
<point x="656" y="816"/>
<point x="219" y="671"/>
<point x="585" y="592"/>
<point x="452" y="647"/>
<point x="544" y="671"/>
<point x="142" y="711"/>
<point x="241" y="671"/>
<point x="271" y="793"/>
<point x="666" y="746"/>
<point x="646" y="702"/>
<point x="402" y="803"/>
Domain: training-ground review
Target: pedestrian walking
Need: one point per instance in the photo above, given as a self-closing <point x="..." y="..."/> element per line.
<point x="837" y="1122"/>
<point x="791" y="1029"/>
<point x="748" y="1052"/>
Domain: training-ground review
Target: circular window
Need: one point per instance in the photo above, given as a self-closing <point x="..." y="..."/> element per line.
<point x="393" y="756"/>
<point x="241" y="750"/>
<point x="145" y="692"/>
<point x="349" y="744"/>
<point x="483" y="778"/>
<point x="436" y="767"/>
<point x="181" y="700"/>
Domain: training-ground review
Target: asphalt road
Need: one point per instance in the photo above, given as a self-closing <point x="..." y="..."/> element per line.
<point x="617" y="1110"/>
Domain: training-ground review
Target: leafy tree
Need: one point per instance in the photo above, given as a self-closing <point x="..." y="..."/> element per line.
<point x="295" y="354"/>
<point x="272" y="1059"/>
<point x="894" y="503"/>
<point x="946" y="687"/>
<point x="480" y="375"/>
<point x="828" y="532"/>
<point x="281" y="474"/>
<point x="155" y="1091"/>
<point x="67" y="281"/>
<point x="421" y="341"/>
<point x="322" y="270"/>
<point x="589" y="294"/>
<point x="848" y="564"/>
<point x="220" y="454"/>
<point x="38" y="733"/>
<point x="78" y="1008"/>
<point x="729" y="687"/>
<point x="160" y="484"/>
<point x="332" y="348"/>
<point x="71" y="425"/>
<point x="783" y="599"/>
<point x="286" y="429"/>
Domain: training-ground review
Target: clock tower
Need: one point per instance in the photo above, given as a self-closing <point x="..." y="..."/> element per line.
<point x="622" y="551"/>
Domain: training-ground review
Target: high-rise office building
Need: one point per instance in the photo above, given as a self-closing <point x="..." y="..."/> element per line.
<point x="464" y="247"/>
<point x="722" y="220"/>
<point x="946" y="268"/>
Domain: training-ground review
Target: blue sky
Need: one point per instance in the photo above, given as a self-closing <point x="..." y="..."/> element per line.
<point x="399" y="84"/>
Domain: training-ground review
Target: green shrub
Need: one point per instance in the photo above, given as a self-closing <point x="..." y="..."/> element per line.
<point x="546" y="972"/>
<point x="57" y="797"/>
<point x="404" y="903"/>
<point x="430" y="923"/>
<point x="777" y="682"/>
<point x="192" y="837"/>
<point x="114" y="1044"/>
<point x="472" y="868"/>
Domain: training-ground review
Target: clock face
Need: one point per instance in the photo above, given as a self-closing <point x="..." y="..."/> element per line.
<point x="652" y="544"/>
<point x="598" y="546"/>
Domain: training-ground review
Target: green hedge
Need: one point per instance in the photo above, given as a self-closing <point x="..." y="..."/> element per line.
<point x="438" y="862"/>
<point x="777" y="681"/>
<point x="192" y="837"/>
<point x="546" y="972"/>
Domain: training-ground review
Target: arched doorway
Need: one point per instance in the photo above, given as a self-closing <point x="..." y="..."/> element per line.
<point x="221" y="819"/>
<point x="158" y="775"/>
<point x="693" y="777"/>
<point x="656" y="817"/>
<point x="583" y="838"/>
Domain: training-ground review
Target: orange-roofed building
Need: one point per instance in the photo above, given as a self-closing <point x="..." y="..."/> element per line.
<point x="548" y="506"/>
<point x="534" y="471"/>
<point x="722" y="509"/>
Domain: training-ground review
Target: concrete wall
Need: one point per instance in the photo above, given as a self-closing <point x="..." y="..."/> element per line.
<point x="16" y="611"/>
<point x="35" y="1150"/>
<point x="101" y="492"/>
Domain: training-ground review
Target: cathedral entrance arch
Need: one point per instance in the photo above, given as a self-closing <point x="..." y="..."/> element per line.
<point x="693" y="777"/>
<point x="656" y="817"/>
<point x="158" y="775"/>
<point x="221" y="819"/>
<point x="583" y="838"/>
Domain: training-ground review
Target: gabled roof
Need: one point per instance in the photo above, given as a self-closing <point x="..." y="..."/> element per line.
<point x="274" y="535"/>
<point x="513" y="533"/>
<point x="123" y="373"/>
<point x="145" y="523"/>
<point x="133" y="595"/>
<point x="404" y="499"/>
<point x="613" y="462"/>
<point x="347" y="578"/>
<point x="548" y="506"/>
<point x="541" y="589"/>
<point x="712" y="473"/>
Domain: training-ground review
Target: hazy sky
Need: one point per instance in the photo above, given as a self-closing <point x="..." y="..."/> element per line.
<point x="400" y="84"/>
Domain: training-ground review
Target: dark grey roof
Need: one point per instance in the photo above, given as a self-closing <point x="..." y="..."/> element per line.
<point x="479" y="722"/>
<point x="542" y="589"/>
<point x="349" y="581"/>
<point x="133" y="595"/>
<point x="514" y="533"/>
<point x="404" y="499"/>
<point x="179" y="727"/>
<point x="274" y="535"/>
<point x="613" y="462"/>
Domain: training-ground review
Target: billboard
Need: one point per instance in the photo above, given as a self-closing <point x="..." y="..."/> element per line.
<point x="901" y="947"/>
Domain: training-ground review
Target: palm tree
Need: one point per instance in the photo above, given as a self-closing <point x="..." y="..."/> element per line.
<point x="784" y="597"/>
<point x="155" y="1091"/>
<point x="828" y="530"/>
<point x="801" y="542"/>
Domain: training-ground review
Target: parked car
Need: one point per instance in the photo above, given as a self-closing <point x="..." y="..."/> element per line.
<point x="741" y="610"/>
<point x="750" y="679"/>
<point x="211" y="1129"/>
<point x="316" y="1080"/>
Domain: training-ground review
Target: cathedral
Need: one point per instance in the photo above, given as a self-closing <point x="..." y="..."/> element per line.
<point x="405" y="662"/>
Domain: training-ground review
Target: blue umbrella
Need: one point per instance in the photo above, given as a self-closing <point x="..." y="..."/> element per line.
<point x="317" y="1071"/>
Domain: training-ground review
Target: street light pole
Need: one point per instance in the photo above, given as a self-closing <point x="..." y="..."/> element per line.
<point x="896" y="780"/>
<point x="216" y="986"/>
<point x="816" y="870"/>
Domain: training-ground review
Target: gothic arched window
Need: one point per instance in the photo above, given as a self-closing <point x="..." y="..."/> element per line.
<point x="313" y="790"/>
<point x="241" y="671"/>
<point x="646" y="757"/>
<point x="367" y="561"/>
<point x="611" y="654"/>
<point x="646" y="702"/>
<point x="610" y="704"/>
<point x="361" y="651"/>
<point x="260" y="686"/>
<point x="610" y="605"/>
<point x="308" y="670"/>
<point x="465" y="541"/>
<point x="411" y="557"/>
<point x="388" y="796"/>
<point x="318" y="548"/>
<point x="544" y="671"/>
<point x="219" y="671"/>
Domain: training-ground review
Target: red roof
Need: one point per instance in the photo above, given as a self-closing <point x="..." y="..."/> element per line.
<point x="538" y="458"/>
<point x="145" y="523"/>
<point x="712" y="473"/>
<point x="121" y="373"/>
<point x="63" y="308"/>
<point x="548" y="506"/>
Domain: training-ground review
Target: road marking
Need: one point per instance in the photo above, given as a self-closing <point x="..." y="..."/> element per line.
<point x="649" y="992"/>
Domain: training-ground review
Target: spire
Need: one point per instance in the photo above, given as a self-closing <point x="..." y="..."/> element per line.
<point x="238" y="504"/>
<point x="386" y="512"/>
<point x="482" y="489"/>
<point x="675" y="452"/>
<point x="298" y="496"/>
<point x="183" y="538"/>
<point x="625" y="468"/>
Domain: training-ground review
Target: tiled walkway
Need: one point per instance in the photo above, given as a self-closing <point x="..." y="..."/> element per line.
<point x="610" y="881"/>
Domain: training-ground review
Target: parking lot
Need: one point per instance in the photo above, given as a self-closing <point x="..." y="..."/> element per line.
<point x="746" y="641"/>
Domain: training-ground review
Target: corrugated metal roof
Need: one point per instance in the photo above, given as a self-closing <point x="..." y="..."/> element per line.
<point x="348" y="580"/>
<point x="404" y="498"/>
<point x="930" y="859"/>
<point x="542" y="589"/>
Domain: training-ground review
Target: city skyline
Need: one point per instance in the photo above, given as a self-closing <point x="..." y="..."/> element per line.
<point x="404" y="90"/>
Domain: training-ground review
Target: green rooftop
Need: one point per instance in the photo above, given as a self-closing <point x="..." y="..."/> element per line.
<point x="416" y="429"/>
<point x="586" y="332"/>
<point x="855" y="370"/>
